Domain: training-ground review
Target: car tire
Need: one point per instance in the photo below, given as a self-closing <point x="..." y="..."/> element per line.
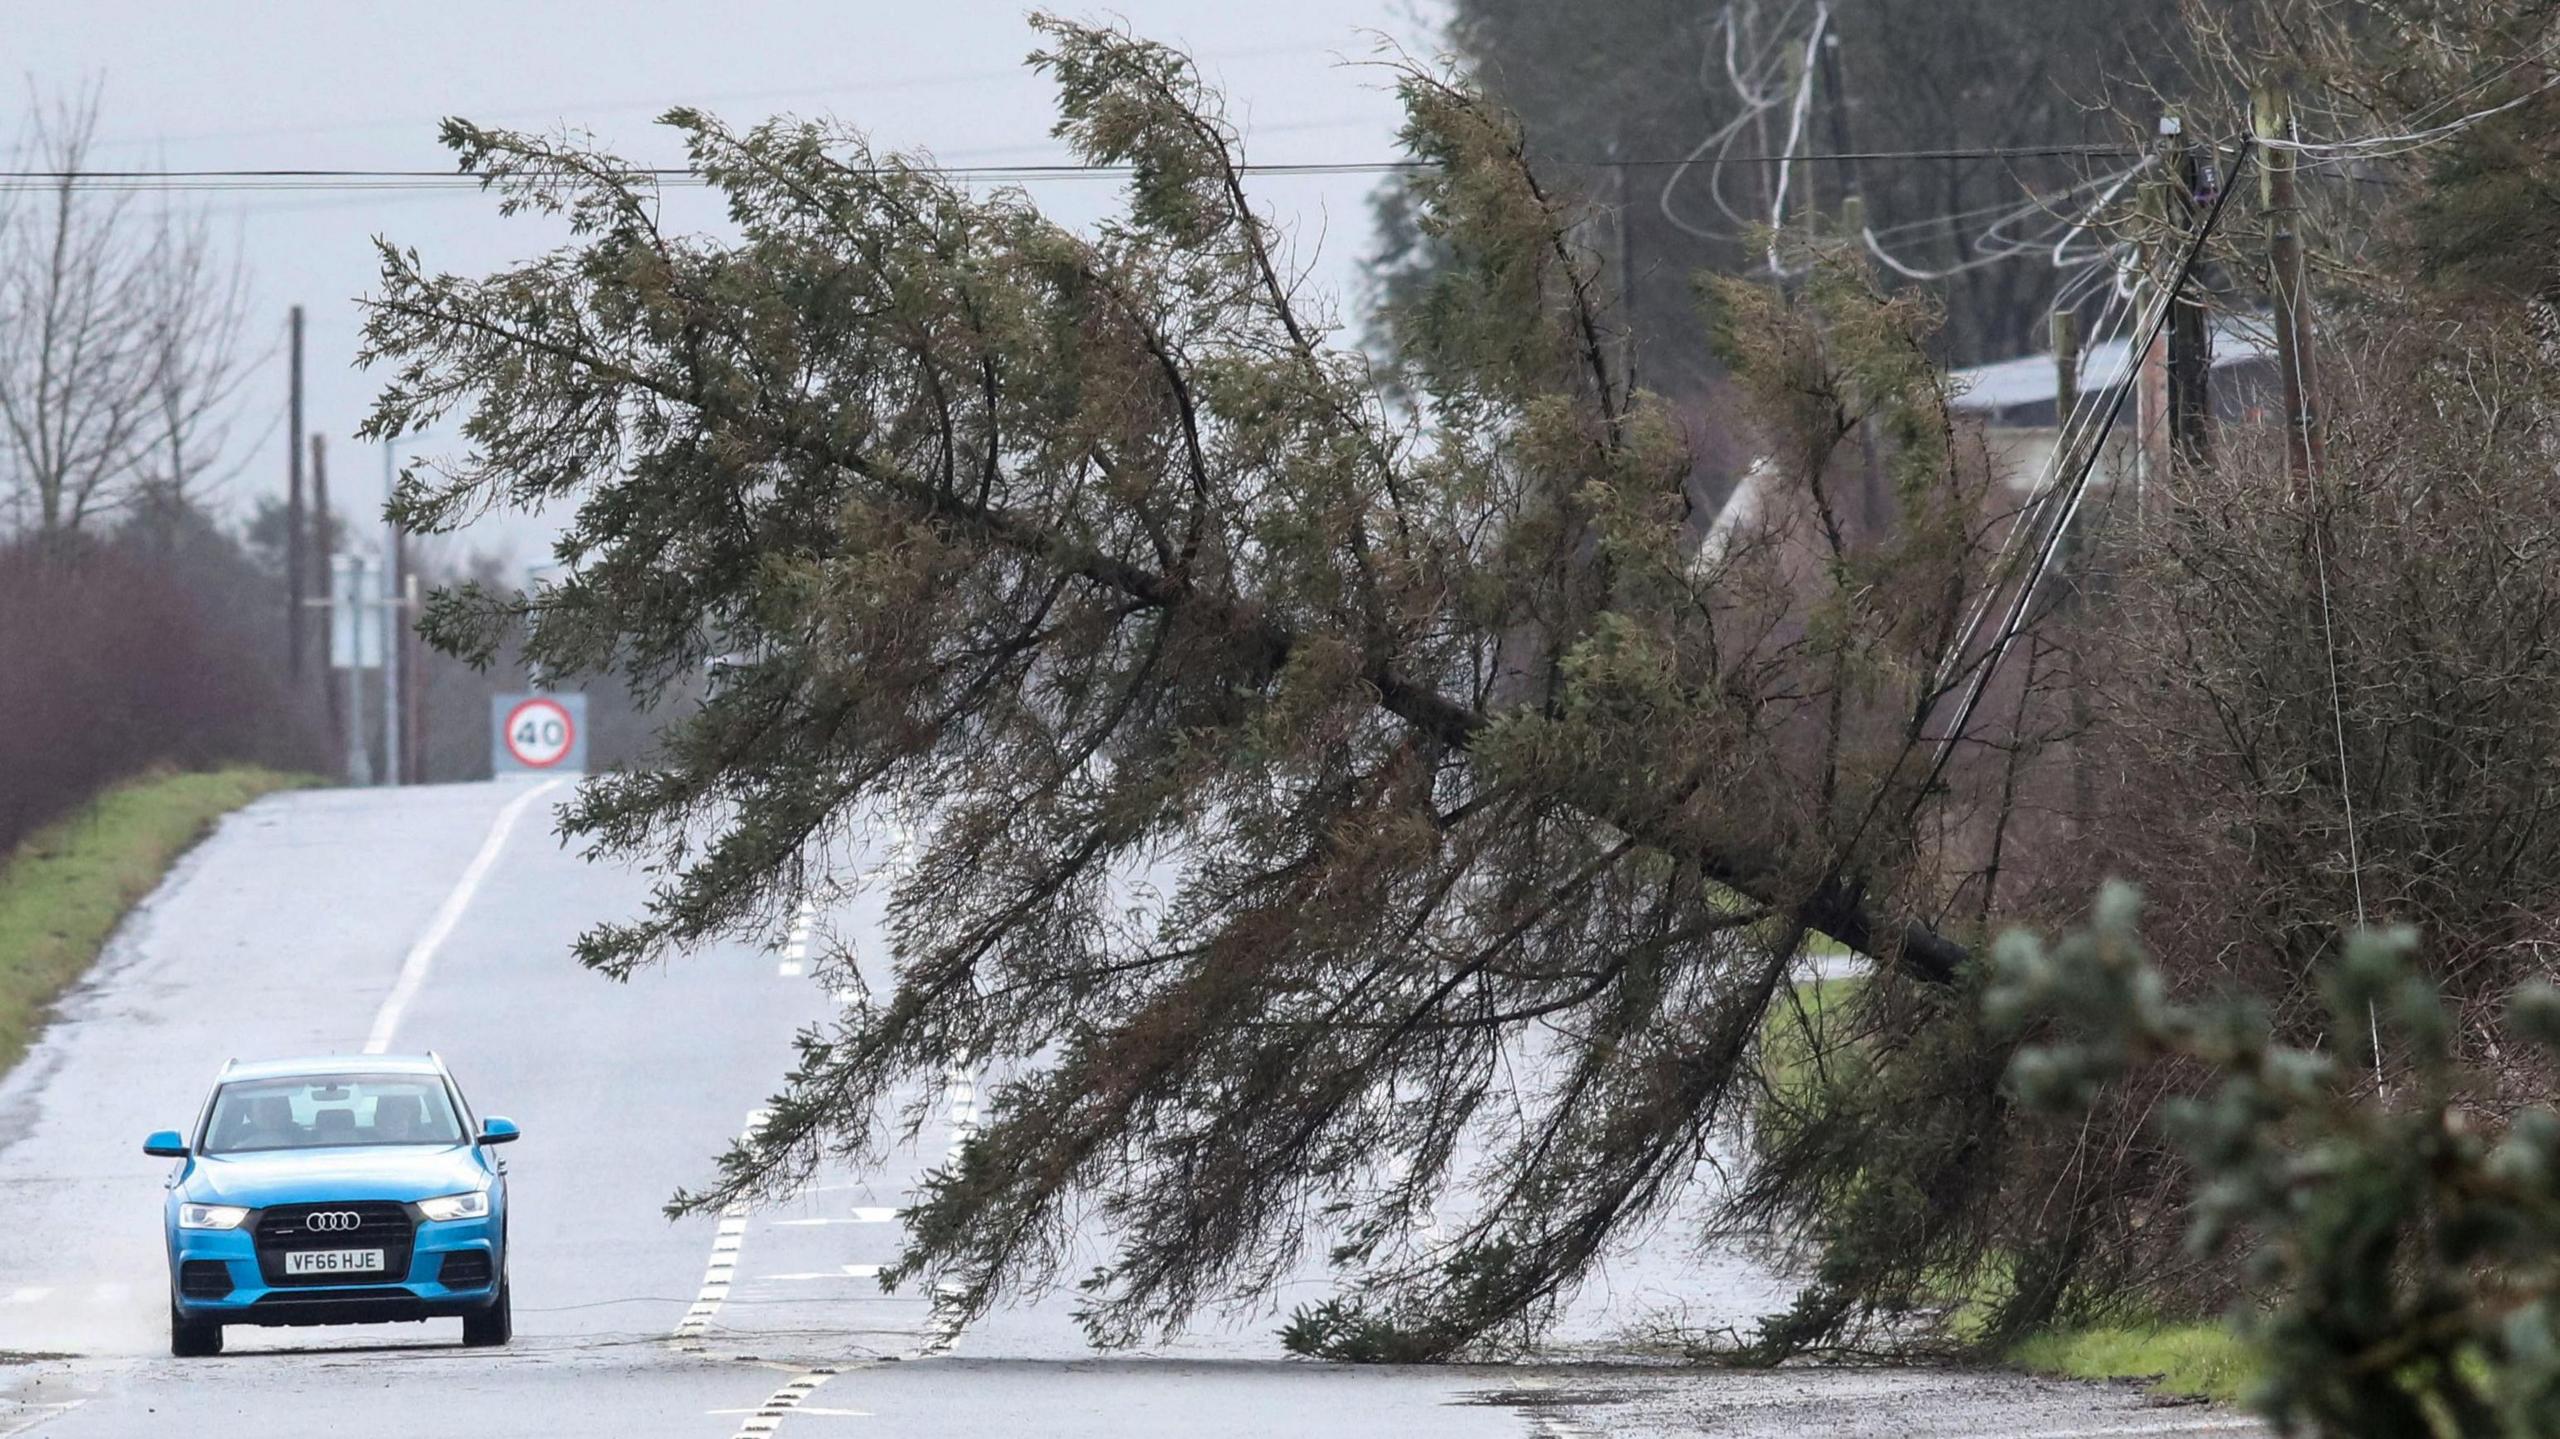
<point x="192" y="1340"/>
<point x="492" y="1326"/>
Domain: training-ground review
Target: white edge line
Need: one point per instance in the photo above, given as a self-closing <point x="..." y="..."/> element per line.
<point x="422" y="955"/>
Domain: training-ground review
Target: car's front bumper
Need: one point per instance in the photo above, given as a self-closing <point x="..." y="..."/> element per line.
<point x="420" y="1294"/>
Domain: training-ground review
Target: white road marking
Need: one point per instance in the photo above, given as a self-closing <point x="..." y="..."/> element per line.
<point x="1434" y="1238"/>
<point x="842" y="1271"/>
<point x="422" y="955"/>
<point x="26" y="1294"/>
<point x="862" y="1214"/>
<point x="960" y="1092"/>
<point x="726" y="1241"/>
<point x="960" y="1098"/>
<point x="795" y="953"/>
<point x="945" y="1321"/>
<point x="762" y="1421"/>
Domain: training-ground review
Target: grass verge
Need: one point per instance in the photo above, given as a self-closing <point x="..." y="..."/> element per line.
<point x="64" y="889"/>
<point x="1798" y="1027"/>
<point x="2193" y="1360"/>
<point x="2201" y="1360"/>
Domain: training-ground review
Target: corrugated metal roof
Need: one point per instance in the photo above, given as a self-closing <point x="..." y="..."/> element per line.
<point x="2028" y="380"/>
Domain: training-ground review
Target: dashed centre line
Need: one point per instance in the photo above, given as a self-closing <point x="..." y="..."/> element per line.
<point x="726" y="1243"/>
<point x="762" y="1421"/>
<point x="795" y="950"/>
<point x="960" y="1098"/>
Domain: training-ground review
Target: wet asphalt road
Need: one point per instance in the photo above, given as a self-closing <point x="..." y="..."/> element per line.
<point x="287" y="933"/>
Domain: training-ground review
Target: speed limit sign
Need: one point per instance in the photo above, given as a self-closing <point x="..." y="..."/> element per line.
<point x="539" y="732"/>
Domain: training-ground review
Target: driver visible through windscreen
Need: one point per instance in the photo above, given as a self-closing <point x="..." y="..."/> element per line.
<point x="330" y="1111"/>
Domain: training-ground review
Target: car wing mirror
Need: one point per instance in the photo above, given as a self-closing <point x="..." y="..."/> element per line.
<point x="165" y="1144"/>
<point x="494" y="1130"/>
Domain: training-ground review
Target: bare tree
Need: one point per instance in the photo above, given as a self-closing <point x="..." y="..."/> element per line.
<point x="198" y="305"/>
<point x="120" y="335"/>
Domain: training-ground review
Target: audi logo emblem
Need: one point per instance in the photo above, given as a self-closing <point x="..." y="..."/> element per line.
<point x="333" y="1221"/>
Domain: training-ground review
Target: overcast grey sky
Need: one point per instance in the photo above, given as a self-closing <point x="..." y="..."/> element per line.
<point x="327" y="84"/>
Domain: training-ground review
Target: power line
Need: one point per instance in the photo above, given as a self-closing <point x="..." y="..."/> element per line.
<point x="815" y="88"/>
<point x="315" y="178"/>
<point x="2050" y="541"/>
<point x="2383" y="147"/>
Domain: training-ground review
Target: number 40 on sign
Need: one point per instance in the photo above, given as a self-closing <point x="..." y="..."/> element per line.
<point x="542" y="733"/>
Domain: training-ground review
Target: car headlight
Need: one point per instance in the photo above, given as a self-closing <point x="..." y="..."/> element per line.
<point x="210" y="1216"/>
<point x="474" y="1205"/>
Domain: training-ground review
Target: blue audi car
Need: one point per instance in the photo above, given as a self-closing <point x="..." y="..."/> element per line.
<point x="336" y="1191"/>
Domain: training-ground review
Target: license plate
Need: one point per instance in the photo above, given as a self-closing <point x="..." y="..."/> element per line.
<point x="334" y="1261"/>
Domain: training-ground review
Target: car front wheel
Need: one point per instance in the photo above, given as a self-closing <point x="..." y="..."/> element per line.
<point x="190" y="1339"/>
<point x="494" y="1325"/>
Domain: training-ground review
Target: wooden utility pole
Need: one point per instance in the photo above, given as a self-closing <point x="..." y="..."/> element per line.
<point x="2190" y="341"/>
<point x="2066" y="372"/>
<point x="2287" y="286"/>
<point x="1853" y="201"/>
<point x="413" y="684"/>
<point x="1875" y="503"/>
<point x="2151" y="368"/>
<point x="293" y="586"/>
<point x="395" y="757"/>
<point x="1626" y="282"/>
<point x="416" y="692"/>
<point x="324" y="588"/>
<point x="2066" y="399"/>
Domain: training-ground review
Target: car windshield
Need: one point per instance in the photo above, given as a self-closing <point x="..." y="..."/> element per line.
<point x="329" y="1111"/>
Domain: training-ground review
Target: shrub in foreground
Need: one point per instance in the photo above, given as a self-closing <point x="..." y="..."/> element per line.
<point x="2402" y="1245"/>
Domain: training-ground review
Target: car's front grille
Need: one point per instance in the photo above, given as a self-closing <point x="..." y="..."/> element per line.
<point x="204" y="1279"/>
<point x="464" y="1269"/>
<point x="352" y="1224"/>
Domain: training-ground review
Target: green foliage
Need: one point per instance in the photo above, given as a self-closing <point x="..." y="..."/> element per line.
<point x="65" y="888"/>
<point x="1475" y="1303"/>
<point x="1885" y="1141"/>
<point x="1343" y="1331"/>
<point x="2404" y="1249"/>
